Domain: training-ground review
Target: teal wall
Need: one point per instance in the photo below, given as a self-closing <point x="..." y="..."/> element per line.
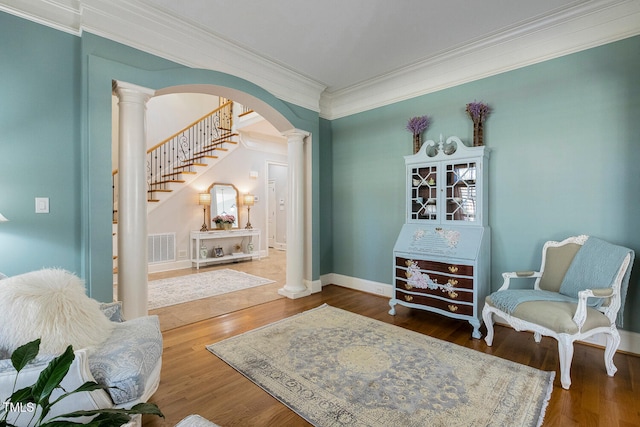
<point x="59" y="107"/>
<point x="563" y="136"/>
<point x="39" y="146"/>
<point x="565" y="160"/>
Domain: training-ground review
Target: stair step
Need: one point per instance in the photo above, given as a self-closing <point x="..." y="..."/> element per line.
<point x="160" y="190"/>
<point x="204" y="156"/>
<point x="153" y="200"/>
<point x="168" y="181"/>
<point x="179" y="173"/>
<point x="188" y="165"/>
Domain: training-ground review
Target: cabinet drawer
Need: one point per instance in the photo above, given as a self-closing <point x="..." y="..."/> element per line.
<point x="454" y="295"/>
<point x="449" y="268"/>
<point x="456" y="282"/>
<point x="448" y="306"/>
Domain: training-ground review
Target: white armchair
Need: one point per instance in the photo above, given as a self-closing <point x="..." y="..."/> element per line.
<point x="127" y="362"/>
<point x="579" y="292"/>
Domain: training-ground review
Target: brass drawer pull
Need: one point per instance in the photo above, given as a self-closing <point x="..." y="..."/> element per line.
<point x="453" y="308"/>
<point x="452" y="282"/>
<point x="408" y="297"/>
<point x="408" y="286"/>
<point x="453" y="295"/>
<point x="453" y="269"/>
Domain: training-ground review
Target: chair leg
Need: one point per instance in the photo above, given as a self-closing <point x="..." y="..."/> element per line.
<point x="565" y="353"/>
<point x="613" y="341"/>
<point x="487" y="318"/>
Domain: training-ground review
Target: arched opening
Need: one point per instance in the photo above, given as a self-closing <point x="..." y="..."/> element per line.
<point x="294" y="286"/>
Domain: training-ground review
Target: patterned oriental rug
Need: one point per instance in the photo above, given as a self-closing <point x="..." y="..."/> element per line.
<point x="336" y="368"/>
<point x="176" y="290"/>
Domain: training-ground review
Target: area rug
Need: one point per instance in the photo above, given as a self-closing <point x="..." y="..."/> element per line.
<point x="177" y="290"/>
<point x="336" y="368"/>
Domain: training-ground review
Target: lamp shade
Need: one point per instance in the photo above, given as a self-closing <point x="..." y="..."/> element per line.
<point x="248" y="200"/>
<point x="2" y="218"/>
<point x="204" y="199"/>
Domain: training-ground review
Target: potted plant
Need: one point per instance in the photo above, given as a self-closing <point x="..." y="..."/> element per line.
<point x="29" y="400"/>
<point x="417" y="125"/>
<point x="478" y="112"/>
<point x="224" y="221"/>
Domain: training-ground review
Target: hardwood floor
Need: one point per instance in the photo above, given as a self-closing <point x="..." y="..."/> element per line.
<point x="195" y="381"/>
<point x="271" y="267"/>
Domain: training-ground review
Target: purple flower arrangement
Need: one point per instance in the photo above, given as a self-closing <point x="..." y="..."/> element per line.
<point x="478" y="111"/>
<point x="225" y="218"/>
<point x="417" y="125"/>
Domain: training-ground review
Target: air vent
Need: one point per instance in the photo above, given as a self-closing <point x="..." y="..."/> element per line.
<point x="162" y="247"/>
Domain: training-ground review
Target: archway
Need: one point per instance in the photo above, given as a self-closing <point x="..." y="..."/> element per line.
<point x="132" y="286"/>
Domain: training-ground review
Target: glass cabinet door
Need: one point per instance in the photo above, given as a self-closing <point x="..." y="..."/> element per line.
<point x="424" y="193"/>
<point x="460" y="190"/>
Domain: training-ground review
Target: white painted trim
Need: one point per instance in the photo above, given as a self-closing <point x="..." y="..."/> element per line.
<point x="314" y="285"/>
<point x="629" y="341"/>
<point x="592" y="24"/>
<point x="357" y="284"/>
<point x="145" y="27"/>
<point x="142" y="26"/>
<point x="63" y="15"/>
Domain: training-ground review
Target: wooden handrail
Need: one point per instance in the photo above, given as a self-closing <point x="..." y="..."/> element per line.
<point x="115" y="171"/>
<point x="187" y="127"/>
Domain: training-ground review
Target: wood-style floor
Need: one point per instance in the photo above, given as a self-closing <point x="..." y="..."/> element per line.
<point x="194" y="381"/>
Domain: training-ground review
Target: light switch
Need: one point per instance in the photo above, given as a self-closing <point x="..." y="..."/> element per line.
<point x="42" y="205"/>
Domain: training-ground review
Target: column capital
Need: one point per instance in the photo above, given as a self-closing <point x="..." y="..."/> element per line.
<point x="125" y="90"/>
<point x="295" y="135"/>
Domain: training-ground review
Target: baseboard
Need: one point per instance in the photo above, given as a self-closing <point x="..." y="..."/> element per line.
<point x="314" y="285"/>
<point x="369" y="286"/>
<point x="629" y="341"/>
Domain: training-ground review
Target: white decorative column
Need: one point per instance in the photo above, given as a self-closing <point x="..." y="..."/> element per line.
<point x="132" y="200"/>
<point x="295" y="287"/>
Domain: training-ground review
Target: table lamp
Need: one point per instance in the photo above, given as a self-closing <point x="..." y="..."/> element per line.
<point x="248" y="201"/>
<point x="204" y="199"/>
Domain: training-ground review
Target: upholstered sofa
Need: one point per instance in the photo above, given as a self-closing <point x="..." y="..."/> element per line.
<point x="126" y="360"/>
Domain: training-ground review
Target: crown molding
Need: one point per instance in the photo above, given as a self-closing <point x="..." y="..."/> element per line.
<point x="139" y="25"/>
<point x="63" y="15"/>
<point x="590" y="25"/>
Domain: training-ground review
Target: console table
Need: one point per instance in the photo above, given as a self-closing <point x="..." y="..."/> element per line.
<point x="224" y="240"/>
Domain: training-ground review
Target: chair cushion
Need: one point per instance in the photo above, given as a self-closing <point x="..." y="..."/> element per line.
<point x="127" y="358"/>
<point x="50" y="304"/>
<point x="595" y="266"/>
<point x="556" y="316"/>
<point x="556" y="263"/>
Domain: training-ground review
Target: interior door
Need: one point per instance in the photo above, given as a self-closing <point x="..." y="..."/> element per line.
<point x="272" y="216"/>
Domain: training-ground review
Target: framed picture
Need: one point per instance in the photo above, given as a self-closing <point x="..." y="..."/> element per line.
<point x="218" y="252"/>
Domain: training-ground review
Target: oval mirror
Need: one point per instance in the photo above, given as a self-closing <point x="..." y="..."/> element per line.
<point x="224" y="202"/>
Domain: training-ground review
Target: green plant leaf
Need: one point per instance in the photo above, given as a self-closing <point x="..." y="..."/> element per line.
<point x="51" y="377"/>
<point x="88" y="386"/>
<point x="24" y="395"/>
<point x="25" y="354"/>
<point x="140" y="408"/>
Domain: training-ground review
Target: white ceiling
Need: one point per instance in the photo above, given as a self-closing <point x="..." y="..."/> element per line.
<point x="341" y="43"/>
<point x="341" y="57"/>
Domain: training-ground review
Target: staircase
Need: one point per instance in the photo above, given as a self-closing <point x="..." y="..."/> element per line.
<point x="176" y="161"/>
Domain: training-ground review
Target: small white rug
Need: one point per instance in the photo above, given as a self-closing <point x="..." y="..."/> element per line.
<point x="176" y="290"/>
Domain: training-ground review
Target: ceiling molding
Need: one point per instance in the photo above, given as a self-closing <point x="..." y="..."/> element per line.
<point x="137" y="24"/>
<point x="575" y="30"/>
<point x="63" y="15"/>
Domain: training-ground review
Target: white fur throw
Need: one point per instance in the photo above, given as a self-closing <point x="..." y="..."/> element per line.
<point x="50" y="304"/>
